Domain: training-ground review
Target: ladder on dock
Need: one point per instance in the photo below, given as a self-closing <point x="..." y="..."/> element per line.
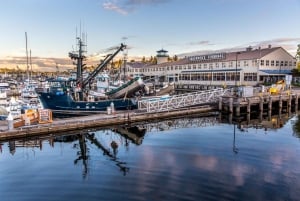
<point x="168" y="103"/>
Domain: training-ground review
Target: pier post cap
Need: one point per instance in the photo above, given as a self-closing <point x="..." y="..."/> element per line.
<point x="10" y="117"/>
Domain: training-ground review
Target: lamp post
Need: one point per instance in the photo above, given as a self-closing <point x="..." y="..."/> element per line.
<point x="236" y="60"/>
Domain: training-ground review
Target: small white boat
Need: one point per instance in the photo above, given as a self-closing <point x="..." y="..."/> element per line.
<point x="14" y="108"/>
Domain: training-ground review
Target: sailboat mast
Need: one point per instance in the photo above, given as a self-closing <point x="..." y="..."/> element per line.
<point x="27" y="56"/>
<point x="30" y="64"/>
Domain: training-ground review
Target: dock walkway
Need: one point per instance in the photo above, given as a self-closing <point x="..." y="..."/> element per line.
<point x="99" y="120"/>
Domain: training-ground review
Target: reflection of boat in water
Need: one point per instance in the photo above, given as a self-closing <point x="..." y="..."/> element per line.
<point x="135" y="134"/>
<point x="70" y="96"/>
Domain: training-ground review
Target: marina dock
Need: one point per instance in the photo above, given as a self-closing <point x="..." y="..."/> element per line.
<point x="286" y="101"/>
<point x="98" y="120"/>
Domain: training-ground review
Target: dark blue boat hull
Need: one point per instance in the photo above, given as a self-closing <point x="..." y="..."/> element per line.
<point x="64" y="104"/>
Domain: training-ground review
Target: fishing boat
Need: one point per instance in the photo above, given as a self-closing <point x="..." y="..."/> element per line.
<point x="72" y="97"/>
<point x="63" y="103"/>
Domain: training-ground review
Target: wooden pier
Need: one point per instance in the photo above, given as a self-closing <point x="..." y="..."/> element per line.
<point x="260" y="103"/>
<point x="99" y="120"/>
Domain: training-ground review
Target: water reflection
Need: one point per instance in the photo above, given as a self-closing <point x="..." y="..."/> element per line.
<point x="234" y="148"/>
<point x="192" y="158"/>
<point x="296" y="126"/>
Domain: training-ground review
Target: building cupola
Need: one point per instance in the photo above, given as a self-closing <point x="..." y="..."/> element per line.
<point x="162" y="56"/>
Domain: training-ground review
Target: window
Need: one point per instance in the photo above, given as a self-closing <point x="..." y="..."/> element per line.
<point x="262" y="62"/>
<point x="285" y="63"/>
<point x="272" y="62"/>
<point x="219" y="76"/>
<point x="267" y="62"/>
<point x="250" y="76"/>
<point x="230" y="76"/>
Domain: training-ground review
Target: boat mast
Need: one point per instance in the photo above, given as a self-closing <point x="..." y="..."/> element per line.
<point x="79" y="61"/>
<point x="27" y="56"/>
<point x="30" y="64"/>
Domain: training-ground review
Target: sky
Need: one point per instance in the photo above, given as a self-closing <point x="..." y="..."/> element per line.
<point x="145" y="26"/>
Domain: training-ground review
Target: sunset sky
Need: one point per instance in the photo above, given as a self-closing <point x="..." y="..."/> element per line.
<point x="179" y="26"/>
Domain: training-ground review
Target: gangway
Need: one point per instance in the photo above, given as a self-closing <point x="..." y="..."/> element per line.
<point x="168" y="103"/>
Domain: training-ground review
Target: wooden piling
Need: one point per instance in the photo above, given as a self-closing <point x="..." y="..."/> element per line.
<point x="248" y="118"/>
<point x="296" y="102"/>
<point x="290" y="101"/>
<point x="238" y="108"/>
<point x="230" y="105"/>
<point x="220" y="104"/>
<point x="280" y="103"/>
<point x="248" y="105"/>
<point x="270" y="103"/>
<point x="270" y="108"/>
<point x="261" y="104"/>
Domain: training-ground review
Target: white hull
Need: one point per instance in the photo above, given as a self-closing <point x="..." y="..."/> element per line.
<point x="127" y="91"/>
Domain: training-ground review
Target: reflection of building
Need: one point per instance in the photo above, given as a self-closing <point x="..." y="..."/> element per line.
<point x="184" y="122"/>
<point x="36" y="143"/>
<point x="248" y="67"/>
<point x="257" y="120"/>
<point x="134" y="133"/>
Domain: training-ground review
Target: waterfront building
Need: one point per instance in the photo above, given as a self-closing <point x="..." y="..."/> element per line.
<point x="248" y="67"/>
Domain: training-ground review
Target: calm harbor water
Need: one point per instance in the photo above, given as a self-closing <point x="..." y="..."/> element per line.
<point x="184" y="159"/>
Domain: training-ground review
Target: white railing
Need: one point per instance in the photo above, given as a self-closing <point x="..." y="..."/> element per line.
<point x="167" y="103"/>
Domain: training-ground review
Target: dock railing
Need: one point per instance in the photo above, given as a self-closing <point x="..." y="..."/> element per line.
<point x="168" y="103"/>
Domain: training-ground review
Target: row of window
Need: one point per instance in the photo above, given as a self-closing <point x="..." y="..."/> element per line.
<point x="212" y="66"/>
<point x="228" y="76"/>
<point x="277" y="63"/>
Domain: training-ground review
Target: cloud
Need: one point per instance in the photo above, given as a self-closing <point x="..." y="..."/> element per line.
<point x="128" y="6"/>
<point x="38" y="63"/>
<point x="114" y="7"/>
<point x="203" y="42"/>
<point x="289" y="44"/>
